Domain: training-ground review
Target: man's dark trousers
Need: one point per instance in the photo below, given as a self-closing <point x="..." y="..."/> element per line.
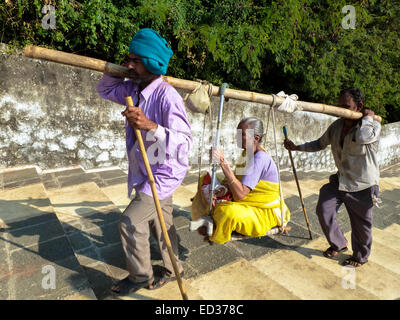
<point x="359" y="207"/>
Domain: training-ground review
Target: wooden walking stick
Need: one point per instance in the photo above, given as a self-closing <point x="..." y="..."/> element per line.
<point x="158" y="207"/>
<point x="298" y="187"/>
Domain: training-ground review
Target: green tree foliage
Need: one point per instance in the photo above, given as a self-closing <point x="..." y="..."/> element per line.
<point x="298" y="46"/>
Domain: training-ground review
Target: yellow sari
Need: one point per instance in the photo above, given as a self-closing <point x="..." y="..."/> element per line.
<point x="253" y="216"/>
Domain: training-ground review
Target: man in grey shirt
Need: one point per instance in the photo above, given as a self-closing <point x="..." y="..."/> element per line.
<point x="354" y="145"/>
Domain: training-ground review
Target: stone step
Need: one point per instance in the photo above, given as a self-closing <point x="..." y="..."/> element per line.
<point x="170" y="291"/>
<point x="91" y="242"/>
<point x="272" y="277"/>
<point x="371" y="277"/>
<point x="113" y="183"/>
<point x="118" y="194"/>
<point x="96" y="242"/>
<point x="392" y="171"/>
<point x="32" y="239"/>
<point x="390" y="183"/>
<point x="386" y="238"/>
<point x="304" y="278"/>
<point x="182" y="196"/>
<point x="23" y="198"/>
<point x="386" y="257"/>
<point x="308" y="187"/>
<point x="17" y="177"/>
<point x="74" y="194"/>
<point x="235" y="281"/>
<point x="90" y="219"/>
<point x="393" y="229"/>
<point x="84" y="200"/>
<point x="240" y="280"/>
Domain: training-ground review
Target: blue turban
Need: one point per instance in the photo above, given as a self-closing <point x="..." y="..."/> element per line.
<point x="153" y="50"/>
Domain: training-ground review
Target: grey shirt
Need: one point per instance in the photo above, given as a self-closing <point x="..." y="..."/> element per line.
<point x="357" y="160"/>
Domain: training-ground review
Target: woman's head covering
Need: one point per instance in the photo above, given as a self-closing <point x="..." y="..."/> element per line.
<point x="153" y="50"/>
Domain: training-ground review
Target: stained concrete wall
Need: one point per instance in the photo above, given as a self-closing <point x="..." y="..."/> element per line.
<point x="51" y="116"/>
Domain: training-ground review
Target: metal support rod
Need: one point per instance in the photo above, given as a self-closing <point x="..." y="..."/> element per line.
<point x="217" y="138"/>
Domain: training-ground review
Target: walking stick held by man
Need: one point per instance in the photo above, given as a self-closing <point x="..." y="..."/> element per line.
<point x="298" y="185"/>
<point x="150" y="176"/>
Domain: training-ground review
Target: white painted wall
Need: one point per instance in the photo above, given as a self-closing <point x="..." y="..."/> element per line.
<point x="51" y="116"/>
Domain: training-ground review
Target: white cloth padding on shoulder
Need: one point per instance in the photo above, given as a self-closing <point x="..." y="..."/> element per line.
<point x="290" y="103"/>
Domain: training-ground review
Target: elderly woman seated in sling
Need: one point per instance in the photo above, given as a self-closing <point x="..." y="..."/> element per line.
<point x="248" y="204"/>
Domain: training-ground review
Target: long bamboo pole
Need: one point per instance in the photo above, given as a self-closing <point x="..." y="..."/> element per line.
<point x="107" y="67"/>
<point x="152" y="183"/>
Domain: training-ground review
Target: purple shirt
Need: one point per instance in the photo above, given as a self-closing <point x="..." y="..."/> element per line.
<point x="167" y="147"/>
<point x="264" y="168"/>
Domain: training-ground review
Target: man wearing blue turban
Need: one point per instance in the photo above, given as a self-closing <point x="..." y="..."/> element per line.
<point x="153" y="50"/>
<point x="164" y="125"/>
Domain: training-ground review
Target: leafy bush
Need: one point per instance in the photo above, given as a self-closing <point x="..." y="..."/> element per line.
<point x="298" y="46"/>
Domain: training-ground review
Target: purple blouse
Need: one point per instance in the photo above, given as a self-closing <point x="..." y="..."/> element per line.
<point x="264" y="168"/>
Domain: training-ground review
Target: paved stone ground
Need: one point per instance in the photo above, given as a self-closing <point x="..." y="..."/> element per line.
<point x="68" y="219"/>
<point x="31" y="238"/>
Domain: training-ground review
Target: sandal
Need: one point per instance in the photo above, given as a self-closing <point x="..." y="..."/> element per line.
<point x="352" y="262"/>
<point x="156" y="284"/>
<point x="126" y="286"/>
<point x="331" y="253"/>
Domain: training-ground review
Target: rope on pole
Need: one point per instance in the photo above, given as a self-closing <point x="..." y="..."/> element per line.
<point x="282" y="227"/>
